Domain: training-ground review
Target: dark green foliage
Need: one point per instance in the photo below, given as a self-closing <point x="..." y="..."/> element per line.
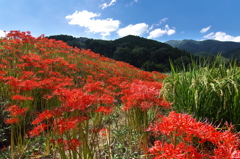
<point x="149" y="55"/>
<point x="233" y="54"/>
<point x="4" y="128"/>
<point x="151" y="66"/>
<point x="72" y="41"/>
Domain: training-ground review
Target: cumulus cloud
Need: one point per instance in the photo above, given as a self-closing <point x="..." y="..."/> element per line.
<point x="137" y="29"/>
<point x="2" y="33"/>
<point x="160" y="32"/>
<point x="105" y="5"/>
<point x="89" y="20"/>
<point x="204" y="30"/>
<point x="222" y="36"/>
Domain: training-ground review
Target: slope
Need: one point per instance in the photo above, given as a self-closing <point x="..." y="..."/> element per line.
<point x="140" y="52"/>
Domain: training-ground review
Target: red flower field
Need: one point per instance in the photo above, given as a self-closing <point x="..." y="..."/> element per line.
<point x="67" y="102"/>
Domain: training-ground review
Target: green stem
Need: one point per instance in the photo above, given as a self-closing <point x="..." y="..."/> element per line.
<point x="12" y="141"/>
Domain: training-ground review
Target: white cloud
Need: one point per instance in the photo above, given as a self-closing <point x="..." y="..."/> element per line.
<point x="170" y="31"/>
<point x="160" y="22"/>
<point x="105" y="5"/>
<point x="156" y="33"/>
<point x="160" y="32"/>
<point x="137" y="29"/>
<point x="163" y="20"/>
<point x="134" y="1"/>
<point x="222" y="36"/>
<point x="88" y="20"/>
<point x="2" y="33"/>
<point x="204" y="30"/>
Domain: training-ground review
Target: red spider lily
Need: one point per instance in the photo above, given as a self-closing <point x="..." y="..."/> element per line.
<point x="11" y="81"/>
<point x="21" y="98"/>
<point x="28" y="85"/>
<point x="188" y="129"/>
<point x="11" y="120"/>
<point x="236" y="154"/>
<point x="180" y="151"/>
<point x="94" y="87"/>
<point x="141" y="94"/>
<point x="3" y="72"/>
<point x="104" y="109"/>
<point x="59" y="111"/>
<point x="38" y="130"/>
<point x="103" y="131"/>
<point x="53" y="83"/>
<point x="16" y="110"/>
<point x="106" y="99"/>
<point x="46" y="114"/>
<point x="63" y="125"/>
<point x="71" y="144"/>
<point x="75" y="99"/>
<point x="27" y="75"/>
<point x="24" y="36"/>
<point x="145" y="105"/>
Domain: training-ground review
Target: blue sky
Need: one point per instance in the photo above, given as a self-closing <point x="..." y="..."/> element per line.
<point x="160" y="20"/>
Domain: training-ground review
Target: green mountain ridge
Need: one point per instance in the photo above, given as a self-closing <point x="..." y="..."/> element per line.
<point x="147" y="54"/>
<point x="208" y="47"/>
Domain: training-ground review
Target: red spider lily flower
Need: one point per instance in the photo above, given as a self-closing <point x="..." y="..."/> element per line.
<point x="21" y="98"/>
<point x="47" y="96"/>
<point x="28" y="85"/>
<point x="4" y="148"/>
<point x="145" y="105"/>
<point x="38" y="129"/>
<point x="16" y="110"/>
<point x="46" y="114"/>
<point x="11" y="81"/>
<point x="63" y="125"/>
<point x="94" y="87"/>
<point x="103" y="131"/>
<point x="27" y="75"/>
<point x="106" y="99"/>
<point x="225" y="143"/>
<point x="3" y="72"/>
<point x="139" y="93"/>
<point x="180" y="151"/>
<point x="71" y="144"/>
<point x="236" y="154"/>
<point x="59" y="111"/>
<point x="75" y="99"/>
<point x="12" y="120"/>
<point x="104" y="109"/>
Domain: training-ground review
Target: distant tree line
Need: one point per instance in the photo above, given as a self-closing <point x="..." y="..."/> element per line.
<point x="149" y="55"/>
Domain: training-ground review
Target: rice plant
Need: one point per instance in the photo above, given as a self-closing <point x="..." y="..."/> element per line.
<point x="208" y="89"/>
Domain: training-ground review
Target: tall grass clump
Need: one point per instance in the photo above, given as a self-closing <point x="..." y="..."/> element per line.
<point x="207" y="89"/>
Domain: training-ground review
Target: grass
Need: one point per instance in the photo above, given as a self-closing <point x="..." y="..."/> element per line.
<point x="207" y="90"/>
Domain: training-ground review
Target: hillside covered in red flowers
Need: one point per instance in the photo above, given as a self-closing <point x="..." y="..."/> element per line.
<point x="66" y="102"/>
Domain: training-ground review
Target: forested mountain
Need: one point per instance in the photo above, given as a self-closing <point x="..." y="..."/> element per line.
<point x="149" y="55"/>
<point x="208" y="47"/>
